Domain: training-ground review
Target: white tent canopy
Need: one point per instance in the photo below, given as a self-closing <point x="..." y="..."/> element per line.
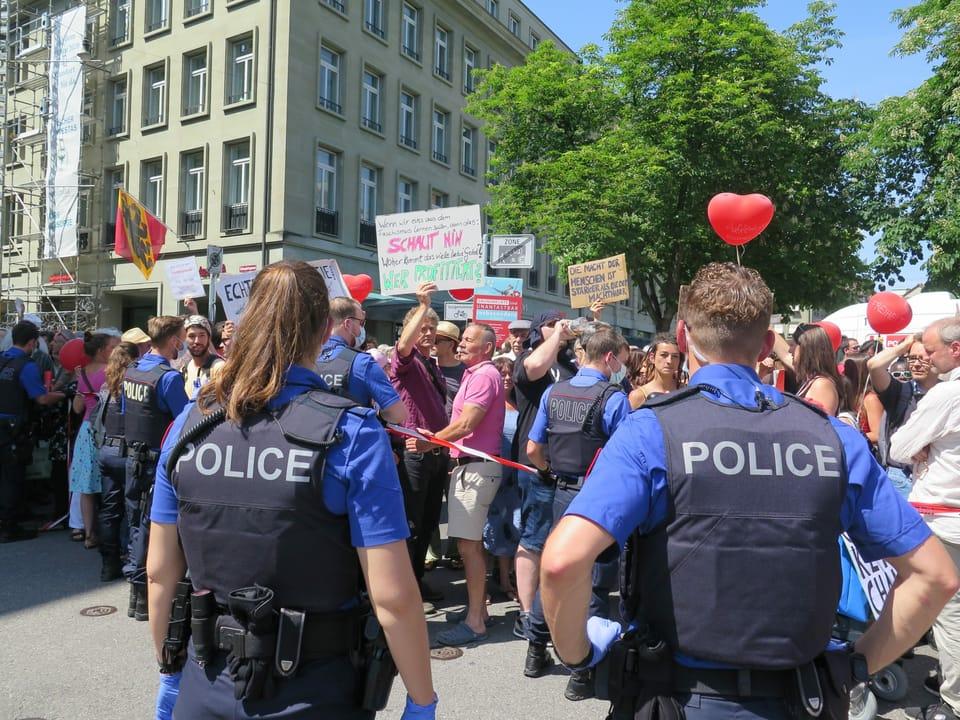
<point x="927" y="307"/>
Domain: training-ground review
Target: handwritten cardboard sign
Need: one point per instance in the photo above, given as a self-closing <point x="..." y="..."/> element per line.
<point x="233" y="291"/>
<point x="330" y="272"/>
<point x="444" y="246"/>
<point x="598" y="281"/>
<point x="183" y="276"/>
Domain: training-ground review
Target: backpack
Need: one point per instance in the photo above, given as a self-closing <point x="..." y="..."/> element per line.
<point x="98" y="418"/>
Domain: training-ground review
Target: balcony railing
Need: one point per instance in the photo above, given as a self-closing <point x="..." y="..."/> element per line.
<point x="330" y="105"/>
<point x="117" y="130"/>
<point x="192" y="222"/>
<point x="194" y="109"/>
<point x="326" y="221"/>
<point x="235" y="216"/>
<point x="155" y="119"/>
<point x="368" y="233"/>
<point x="371" y="124"/>
<point x="468" y="170"/>
<point x="156" y="24"/>
<point x="239" y="97"/>
<point x="408" y="142"/>
<point x="442" y="72"/>
<point x="336" y="5"/>
<point x="196" y="8"/>
<point x="411" y="53"/>
<point x="439" y="157"/>
<point x="375" y="29"/>
<point x="122" y="36"/>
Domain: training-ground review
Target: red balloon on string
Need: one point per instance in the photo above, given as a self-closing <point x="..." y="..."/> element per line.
<point x="888" y="313"/>
<point x="359" y="286"/>
<point x="833" y="332"/>
<point x="461" y="294"/>
<point x="738" y="219"/>
<point x="72" y="355"/>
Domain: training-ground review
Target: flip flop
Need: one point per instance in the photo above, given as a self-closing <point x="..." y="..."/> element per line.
<point x="78" y="535"/>
<point x="460" y="634"/>
<point x="459" y="616"/>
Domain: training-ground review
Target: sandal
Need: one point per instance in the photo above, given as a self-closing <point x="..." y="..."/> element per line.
<point x="459" y="616"/>
<point x="91" y="542"/>
<point x="78" y="535"/>
<point x="460" y="634"/>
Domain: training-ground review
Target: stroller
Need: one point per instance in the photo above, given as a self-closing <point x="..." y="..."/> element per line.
<point x="852" y="620"/>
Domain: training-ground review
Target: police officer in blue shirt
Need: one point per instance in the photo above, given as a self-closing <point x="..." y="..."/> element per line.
<point x="574" y="420"/>
<point x="730" y="498"/>
<point x="20" y="386"/>
<point x="153" y="395"/>
<point x="279" y="496"/>
<point x="352" y="373"/>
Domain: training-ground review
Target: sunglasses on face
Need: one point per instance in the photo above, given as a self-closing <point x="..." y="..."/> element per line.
<point x="917" y="360"/>
<point x="901" y="375"/>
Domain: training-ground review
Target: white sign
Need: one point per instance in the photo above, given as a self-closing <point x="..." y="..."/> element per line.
<point x="512" y="251"/>
<point x="65" y="99"/>
<point x="458" y="311"/>
<point x="443" y="246"/>
<point x="876" y="578"/>
<point x="184" y="278"/>
<point x="234" y="292"/>
<point x="214" y="259"/>
<point x="330" y="272"/>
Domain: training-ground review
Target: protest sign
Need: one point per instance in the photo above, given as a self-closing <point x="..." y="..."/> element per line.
<point x="184" y="278"/>
<point x="598" y="281"/>
<point x="497" y="303"/>
<point x="234" y="291"/>
<point x="444" y="246"/>
<point x="458" y="312"/>
<point x="330" y="272"/>
<point x="876" y="578"/>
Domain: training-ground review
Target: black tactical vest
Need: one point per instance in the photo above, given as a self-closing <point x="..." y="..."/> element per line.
<point x="144" y="421"/>
<point x="251" y="506"/>
<point x="335" y="371"/>
<point x="113" y="418"/>
<point x="575" y="426"/>
<point x="14" y="400"/>
<point x="745" y="571"/>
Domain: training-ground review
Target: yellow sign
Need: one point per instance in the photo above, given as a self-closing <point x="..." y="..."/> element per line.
<point x="598" y="281"/>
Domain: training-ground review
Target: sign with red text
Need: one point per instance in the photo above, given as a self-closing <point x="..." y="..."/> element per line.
<point x="443" y="246"/>
<point x="498" y="303"/>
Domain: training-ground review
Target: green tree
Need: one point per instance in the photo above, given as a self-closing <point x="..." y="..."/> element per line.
<point x="909" y="162"/>
<point x="621" y="153"/>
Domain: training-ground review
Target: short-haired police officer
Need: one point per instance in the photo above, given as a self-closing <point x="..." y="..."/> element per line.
<point x="153" y="395"/>
<point x="280" y="493"/>
<point x="575" y="419"/>
<point x="354" y="374"/>
<point x="733" y="497"/>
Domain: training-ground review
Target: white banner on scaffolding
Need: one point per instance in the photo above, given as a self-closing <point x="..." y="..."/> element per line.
<point x="65" y="106"/>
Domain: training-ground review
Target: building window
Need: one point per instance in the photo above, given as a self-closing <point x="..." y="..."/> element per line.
<point x="441" y="121"/>
<point x="408" y="119"/>
<point x="406" y="195"/>
<point x="336" y="5"/>
<point x="236" y="212"/>
<point x="514" y="25"/>
<point x="470" y="57"/>
<point x="329" y="95"/>
<point x="158" y="15"/>
<point x="441" y="52"/>
<point x="193" y="174"/>
<point x="118" y="106"/>
<point x="491" y="150"/>
<point x="369" y="183"/>
<point x="468" y="151"/>
<point x="326" y="221"/>
<point x="373" y="17"/>
<point x="411" y="31"/>
<point x="533" y="274"/>
<point x="241" y="70"/>
<point x="195" y="7"/>
<point x="370" y="109"/>
<point x="155" y="95"/>
<point x="534" y="40"/>
<point x="552" y="271"/>
<point x="119" y="21"/>
<point x="439" y="199"/>
<point x="113" y="180"/>
<point x="493" y="7"/>
<point x="195" y="83"/>
<point x="151" y="190"/>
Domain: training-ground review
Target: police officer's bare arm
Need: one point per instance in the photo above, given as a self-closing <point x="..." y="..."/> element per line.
<point x="537" y="454"/>
<point x="165" y="568"/>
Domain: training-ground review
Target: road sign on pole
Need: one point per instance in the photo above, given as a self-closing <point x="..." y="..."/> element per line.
<point x="512" y="251"/>
<point x="455" y="311"/>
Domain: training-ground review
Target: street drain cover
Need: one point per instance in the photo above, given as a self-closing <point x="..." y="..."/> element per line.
<point x="98" y="610"/>
<point x="446" y="653"/>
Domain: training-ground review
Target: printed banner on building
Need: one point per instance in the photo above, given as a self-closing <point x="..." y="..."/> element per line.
<point x="444" y="246"/>
<point x="497" y="303"/>
<point x="183" y="276"/>
<point x="138" y="235"/>
<point x="65" y="102"/>
<point x="598" y="281"/>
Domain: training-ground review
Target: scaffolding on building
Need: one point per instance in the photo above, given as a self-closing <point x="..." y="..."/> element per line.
<point x="50" y="288"/>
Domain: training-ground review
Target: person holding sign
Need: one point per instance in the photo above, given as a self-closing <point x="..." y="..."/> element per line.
<point x="730" y="498"/>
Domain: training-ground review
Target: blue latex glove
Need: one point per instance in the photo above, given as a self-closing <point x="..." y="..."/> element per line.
<point x="167" y="695"/>
<point x="602" y="633"/>
<point x="419" y="712"/>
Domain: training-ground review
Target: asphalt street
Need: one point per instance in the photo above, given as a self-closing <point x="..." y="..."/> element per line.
<point x="58" y="664"/>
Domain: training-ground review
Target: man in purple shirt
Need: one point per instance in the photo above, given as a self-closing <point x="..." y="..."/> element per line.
<point x="423" y="390"/>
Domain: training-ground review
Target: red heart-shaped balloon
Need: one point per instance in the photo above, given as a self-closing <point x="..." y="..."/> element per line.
<point x="888" y="313"/>
<point x="359" y="286"/>
<point x="461" y="294"/>
<point x="833" y="332"/>
<point x="72" y="355"/>
<point x="738" y="219"/>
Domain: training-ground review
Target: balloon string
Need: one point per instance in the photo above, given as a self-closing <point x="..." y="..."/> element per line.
<point x="738" y="255"/>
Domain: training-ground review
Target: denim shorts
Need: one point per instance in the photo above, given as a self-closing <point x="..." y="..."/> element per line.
<point x="536" y="511"/>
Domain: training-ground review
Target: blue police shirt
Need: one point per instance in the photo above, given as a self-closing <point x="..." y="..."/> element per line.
<point x="614" y="412"/>
<point x="367" y="381"/>
<point x="171" y="395"/>
<point x="628" y="486"/>
<point x="29" y="377"/>
<point x="360" y="478"/>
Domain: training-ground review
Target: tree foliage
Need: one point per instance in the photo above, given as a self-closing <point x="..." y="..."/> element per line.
<point x="603" y="154"/>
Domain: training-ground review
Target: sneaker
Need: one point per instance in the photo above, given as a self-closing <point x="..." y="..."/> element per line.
<point x="538" y="660"/>
<point x="579" y="686"/>
<point x="520" y="626"/>
<point x="940" y="711"/>
<point x="932" y="685"/>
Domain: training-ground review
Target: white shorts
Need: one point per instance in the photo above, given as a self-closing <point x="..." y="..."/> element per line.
<point x="472" y="488"/>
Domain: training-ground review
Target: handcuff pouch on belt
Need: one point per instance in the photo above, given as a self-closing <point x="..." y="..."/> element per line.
<point x="174" y="651"/>
<point x="823" y="688"/>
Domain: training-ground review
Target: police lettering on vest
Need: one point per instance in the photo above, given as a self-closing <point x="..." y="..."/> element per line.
<point x="250" y="463"/>
<point x="145" y="421"/>
<point x="336" y="371"/>
<point x="728" y="457"/>
<point x="575" y="426"/>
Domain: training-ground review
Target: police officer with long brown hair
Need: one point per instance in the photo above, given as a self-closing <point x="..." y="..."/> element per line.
<point x="282" y="494"/>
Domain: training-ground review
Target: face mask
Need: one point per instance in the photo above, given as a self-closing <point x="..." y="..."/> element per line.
<point x="617" y="377"/>
<point x="361" y="338"/>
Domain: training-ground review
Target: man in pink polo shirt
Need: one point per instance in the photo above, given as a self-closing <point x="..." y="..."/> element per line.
<point x="477" y="422"/>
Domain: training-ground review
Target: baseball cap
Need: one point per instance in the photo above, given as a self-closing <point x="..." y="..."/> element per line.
<point x="135" y="335"/>
<point x="519" y="325"/>
<point x="448" y="330"/>
<point x="198" y="321"/>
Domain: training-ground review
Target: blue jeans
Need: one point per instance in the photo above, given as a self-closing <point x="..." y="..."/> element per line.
<point x="536" y="511"/>
<point x="901" y="481"/>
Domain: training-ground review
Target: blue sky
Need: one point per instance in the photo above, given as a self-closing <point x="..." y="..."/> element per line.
<point x="863" y="68"/>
